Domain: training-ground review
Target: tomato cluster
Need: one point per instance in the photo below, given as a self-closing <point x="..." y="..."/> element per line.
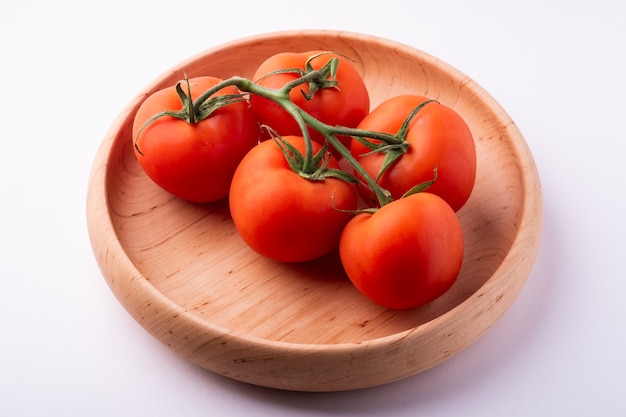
<point x="272" y="146"/>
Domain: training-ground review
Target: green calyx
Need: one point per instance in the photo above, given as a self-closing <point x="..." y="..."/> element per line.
<point x="191" y="111"/>
<point x="325" y="77"/>
<point x="314" y="168"/>
<point x="397" y="146"/>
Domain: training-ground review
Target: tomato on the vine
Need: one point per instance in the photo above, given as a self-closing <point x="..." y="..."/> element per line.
<point x="282" y="215"/>
<point x="406" y="254"/>
<point x="437" y="137"/>
<point x="194" y="160"/>
<point x="290" y="200"/>
<point x="343" y="104"/>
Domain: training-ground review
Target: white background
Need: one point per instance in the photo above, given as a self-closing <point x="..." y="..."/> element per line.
<point x="67" y="347"/>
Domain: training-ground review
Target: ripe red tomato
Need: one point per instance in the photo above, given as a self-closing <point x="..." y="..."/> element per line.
<point x="406" y="254"/>
<point x="283" y="216"/>
<point x="437" y="137"/>
<point x="194" y="162"/>
<point x="344" y="105"/>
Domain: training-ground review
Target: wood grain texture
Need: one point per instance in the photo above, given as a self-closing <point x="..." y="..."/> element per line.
<point x="184" y="274"/>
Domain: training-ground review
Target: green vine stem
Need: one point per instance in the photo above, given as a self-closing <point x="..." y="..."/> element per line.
<point x="281" y="97"/>
<point x="303" y="119"/>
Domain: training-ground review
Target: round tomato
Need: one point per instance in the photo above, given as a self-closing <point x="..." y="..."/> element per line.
<point x="346" y="104"/>
<point x="437" y="137"/>
<point x="406" y="254"/>
<point x="282" y="215"/>
<point x="193" y="161"/>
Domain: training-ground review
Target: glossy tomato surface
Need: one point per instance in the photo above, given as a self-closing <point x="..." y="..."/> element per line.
<point x="406" y="254"/>
<point x="282" y="215"/>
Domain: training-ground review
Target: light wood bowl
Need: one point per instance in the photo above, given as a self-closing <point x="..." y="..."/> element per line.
<point x="184" y="274"/>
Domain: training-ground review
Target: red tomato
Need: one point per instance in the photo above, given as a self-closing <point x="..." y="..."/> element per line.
<point x="283" y="216"/>
<point x="406" y="254"/>
<point x="344" y="105"/>
<point x="437" y="137"/>
<point x="194" y="162"/>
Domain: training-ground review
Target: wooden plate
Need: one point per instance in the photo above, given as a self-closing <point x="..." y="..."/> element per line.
<point x="184" y="274"/>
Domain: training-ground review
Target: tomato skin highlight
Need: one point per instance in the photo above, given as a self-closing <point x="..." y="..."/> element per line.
<point x="406" y="254"/>
<point x="437" y="137"/>
<point x="346" y="105"/>
<point x="194" y="162"/>
<point x="283" y="216"/>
